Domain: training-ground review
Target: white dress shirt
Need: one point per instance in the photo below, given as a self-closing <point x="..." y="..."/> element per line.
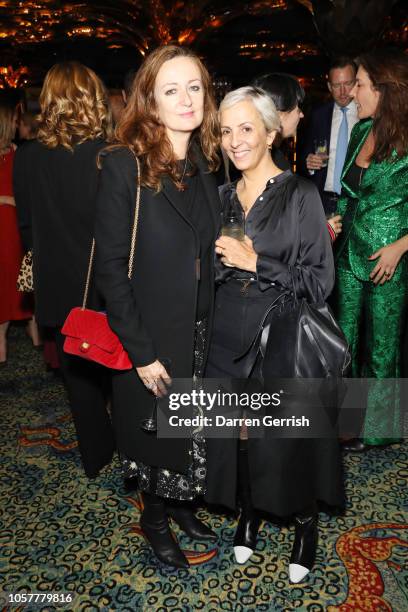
<point x="337" y="117"/>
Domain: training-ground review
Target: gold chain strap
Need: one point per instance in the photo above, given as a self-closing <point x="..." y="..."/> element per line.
<point x="132" y="241"/>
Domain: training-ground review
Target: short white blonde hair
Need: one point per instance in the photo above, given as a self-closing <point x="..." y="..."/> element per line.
<point x="260" y="99"/>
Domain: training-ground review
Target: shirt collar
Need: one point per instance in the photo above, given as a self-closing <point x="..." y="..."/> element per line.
<point x="275" y="180"/>
<point x="351" y="108"/>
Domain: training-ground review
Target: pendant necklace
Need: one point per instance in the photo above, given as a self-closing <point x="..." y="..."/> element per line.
<point x="179" y="184"/>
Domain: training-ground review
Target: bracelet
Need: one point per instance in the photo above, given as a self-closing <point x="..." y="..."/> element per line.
<point x="332" y="233"/>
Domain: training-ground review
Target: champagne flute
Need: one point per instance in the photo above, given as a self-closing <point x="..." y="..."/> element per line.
<point x="149" y="425"/>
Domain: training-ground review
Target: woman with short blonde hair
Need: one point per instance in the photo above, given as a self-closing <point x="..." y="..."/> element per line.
<point x="55" y="182"/>
<point x="281" y="247"/>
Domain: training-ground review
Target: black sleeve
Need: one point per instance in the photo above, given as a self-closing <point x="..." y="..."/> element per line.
<point x="22" y="196"/>
<point x="306" y="144"/>
<point x="113" y="226"/>
<point x="313" y="272"/>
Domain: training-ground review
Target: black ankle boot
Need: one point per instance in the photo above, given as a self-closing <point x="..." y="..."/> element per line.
<point x="355" y="445"/>
<point x="304" y="547"/>
<point x="249" y="521"/>
<point x="155" y="525"/>
<point x="182" y="514"/>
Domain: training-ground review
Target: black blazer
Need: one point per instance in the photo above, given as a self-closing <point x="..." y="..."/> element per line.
<point x="154" y="313"/>
<point x="319" y="127"/>
<point x="55" y="192"/>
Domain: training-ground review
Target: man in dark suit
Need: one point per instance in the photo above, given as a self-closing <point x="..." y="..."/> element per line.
<point x="331" y="123"/>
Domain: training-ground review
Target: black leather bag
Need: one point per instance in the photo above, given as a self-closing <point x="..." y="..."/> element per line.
<point x="298" y="338"/>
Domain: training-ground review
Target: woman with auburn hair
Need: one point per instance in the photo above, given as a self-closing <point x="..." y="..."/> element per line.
<point x="55" y="184"/>
<point x="163" y="313"/>
<point x="372" y="265"/>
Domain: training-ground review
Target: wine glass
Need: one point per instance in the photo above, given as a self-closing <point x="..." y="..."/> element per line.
<point x="149" y="425"/>
<point x="322" y="151"/>
<point x="233" y="225"/>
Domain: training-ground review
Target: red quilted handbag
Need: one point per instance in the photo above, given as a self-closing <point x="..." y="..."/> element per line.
<point x="87" y="332"/>
<point x="88" y="335"/>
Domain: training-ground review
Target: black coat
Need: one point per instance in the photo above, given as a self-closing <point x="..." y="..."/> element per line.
<point x="154" y="313"/>
<point x="55" y="191"/>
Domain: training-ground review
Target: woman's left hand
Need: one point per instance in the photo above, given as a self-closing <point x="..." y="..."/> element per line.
<point x="388" y="260"/>
<point x="237" y="253"/>
<point x="336" y="223"/>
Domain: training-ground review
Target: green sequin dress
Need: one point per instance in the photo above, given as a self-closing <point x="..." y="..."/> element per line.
<point x="373" y="317"/>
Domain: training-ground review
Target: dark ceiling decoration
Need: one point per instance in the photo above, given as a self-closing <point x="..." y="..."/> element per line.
<point x="351" y="26"/>
<point x="232" y="35"/>
<point x="139" y="23"/>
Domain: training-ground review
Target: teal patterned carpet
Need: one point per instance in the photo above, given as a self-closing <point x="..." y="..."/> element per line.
<point x="61" y="532"/>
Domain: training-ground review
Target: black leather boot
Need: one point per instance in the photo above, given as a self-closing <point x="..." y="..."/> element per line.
<point x="304" y="547"/>
<point x="249" y="521"/>
<point x="182" y="513"/>
<point x="355" y="445"/>
<point x="155" y="526"/>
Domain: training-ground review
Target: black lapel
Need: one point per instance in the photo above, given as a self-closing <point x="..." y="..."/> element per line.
<point x="210" y="189"/>
<point x="329" y="119"/>
<point x="209" y="183"/>
<point x="170" y="191"/>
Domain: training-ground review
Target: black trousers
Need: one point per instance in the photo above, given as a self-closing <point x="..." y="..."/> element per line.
<point x="88" y="388"/>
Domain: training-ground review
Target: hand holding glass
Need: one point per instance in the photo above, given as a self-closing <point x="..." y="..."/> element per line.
<point x="322" y="151"/>
<point x="150" y="425"/>
<point x="232" y="226"/>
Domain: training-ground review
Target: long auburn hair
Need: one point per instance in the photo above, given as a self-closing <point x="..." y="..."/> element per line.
<point x="74" y="107"/>
<point x="140" y="126"/>
<point x="388" y="72"/>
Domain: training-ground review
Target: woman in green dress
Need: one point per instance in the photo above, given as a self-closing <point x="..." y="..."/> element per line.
<point x="372" y="265"/>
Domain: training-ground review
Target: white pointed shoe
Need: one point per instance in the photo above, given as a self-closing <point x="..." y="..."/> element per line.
<point x="242" y="554"/>
<point x="297" y="573"/>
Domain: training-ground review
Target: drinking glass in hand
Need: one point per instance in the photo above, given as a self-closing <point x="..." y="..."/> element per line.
<point x="233" y="226"/>
<point x="150" y="425"/>
<point x="322" y="151"/>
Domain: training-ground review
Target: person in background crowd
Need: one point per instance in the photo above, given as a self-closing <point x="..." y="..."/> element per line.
<point x="14" y="305"/>
<point x="27" y="130"/>
<point x="285" y="234"/>
<point x="161" y="315"/>
<point x="117" y="106"/>
<point x="127" y="84"/>
<point x="372" y="265"/>
<point x="28" y="125"/>
<point x="288" y="96"/>
<point x="328" y="133"/>
<point x="55" y="183"/>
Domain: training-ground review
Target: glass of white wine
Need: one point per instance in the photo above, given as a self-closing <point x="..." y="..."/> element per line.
<point x="322" y="151"/>
<point x="233" y="226"/>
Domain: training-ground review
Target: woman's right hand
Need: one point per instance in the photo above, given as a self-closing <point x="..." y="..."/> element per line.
<point x="155" y="377"/>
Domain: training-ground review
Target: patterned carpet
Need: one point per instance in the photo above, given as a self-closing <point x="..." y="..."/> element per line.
<point x="61" y="532"/>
